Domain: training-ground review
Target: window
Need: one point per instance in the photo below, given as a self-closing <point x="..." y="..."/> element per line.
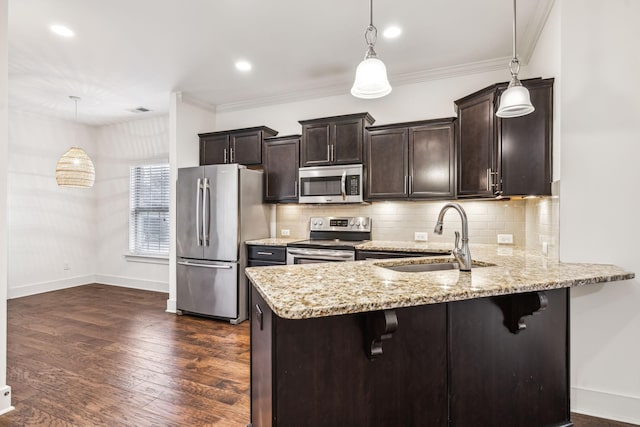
<point x="149" y="210"/>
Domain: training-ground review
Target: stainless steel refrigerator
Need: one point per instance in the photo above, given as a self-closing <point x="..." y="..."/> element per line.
<point x="218" y="208"/>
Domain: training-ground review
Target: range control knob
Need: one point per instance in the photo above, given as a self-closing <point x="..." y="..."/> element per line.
<point x="315" y="222"/>
<point x="357" y="223"/>
<point x="365" y="222"/>
<point x="351" y="223"/>
<point x="320" y="222"/>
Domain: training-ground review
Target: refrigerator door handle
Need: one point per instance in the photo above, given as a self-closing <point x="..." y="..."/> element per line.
<point x="193" y="264"/>
<point x="198" y="193"/>
<point x="205" y="225"/>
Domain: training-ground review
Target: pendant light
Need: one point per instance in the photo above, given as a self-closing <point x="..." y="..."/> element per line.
<point x="75" y="168"/>
<point x="371" y="74"/>
<point x="515" y="101"/>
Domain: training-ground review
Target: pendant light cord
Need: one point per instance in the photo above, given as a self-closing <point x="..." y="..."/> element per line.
<point x="371" y="33"/>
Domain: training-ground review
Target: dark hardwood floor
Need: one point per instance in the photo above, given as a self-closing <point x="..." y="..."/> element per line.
<point x="106" y="356"/>
<point x="101" y="355"/>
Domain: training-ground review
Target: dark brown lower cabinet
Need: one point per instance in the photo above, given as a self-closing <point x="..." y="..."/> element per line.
<point x="481" y="362"/>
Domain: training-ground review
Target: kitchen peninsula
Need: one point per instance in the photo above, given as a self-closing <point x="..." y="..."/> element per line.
<point x="357" y="343"/>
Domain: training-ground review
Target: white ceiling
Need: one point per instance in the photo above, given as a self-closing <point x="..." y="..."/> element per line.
<point x="134" y="53"/>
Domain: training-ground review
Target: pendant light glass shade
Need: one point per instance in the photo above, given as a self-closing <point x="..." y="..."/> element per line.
<point x="371" y="75"/>
<point x="75" y="169"/>
<point x="515" y="101"/>
<point x="371" y="80"/>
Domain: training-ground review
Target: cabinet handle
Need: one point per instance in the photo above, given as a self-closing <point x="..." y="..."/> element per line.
<point x="225" y="155"/>
<point x="328" y="153"/>
<point x="231" y="156"/>
<point x="295" y="188"/>
<point x="264" y="253"/>
<point x="333" y="153"/>
<point x="410" y="184"/>
<point x="259" y="316"/>
<point x="406" y="180"/>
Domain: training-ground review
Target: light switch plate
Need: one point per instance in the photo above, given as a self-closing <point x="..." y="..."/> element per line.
<point x="505" y="239"/>
<point x="284" y="232"/>
<point x="420" y="236"/>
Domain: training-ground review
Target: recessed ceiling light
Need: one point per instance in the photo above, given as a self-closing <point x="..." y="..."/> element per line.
<point x="392" y="32"/>
<point x="243" y="66"/>
<point x="63" y="31"/>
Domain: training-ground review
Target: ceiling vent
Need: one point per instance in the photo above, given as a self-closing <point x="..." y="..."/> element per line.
<point x="139" y="110"/>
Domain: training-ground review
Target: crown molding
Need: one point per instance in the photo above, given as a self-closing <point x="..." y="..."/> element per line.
<point x="531" y="35"/>
<point x="341" y="87"/>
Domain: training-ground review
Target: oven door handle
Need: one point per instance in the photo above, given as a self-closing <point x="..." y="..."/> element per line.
<point x="325" y="253"/>
<point x="343" y="185"/>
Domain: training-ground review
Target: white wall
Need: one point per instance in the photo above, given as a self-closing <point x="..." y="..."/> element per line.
<point x="428" y="100"/>
<point x="48" y="225"/>
<point x="5" y="391"/>
<point x="187" y="120"/>
<point x="121" y="146"/>
<point x="599" y="201"/>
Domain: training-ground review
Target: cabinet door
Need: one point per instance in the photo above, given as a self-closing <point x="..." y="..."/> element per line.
<point x="347" y="141"/>
<point x="246" y="148"/>
<point x="281" y="170"/>
<point x="477" y="152"/>
<point x="431" y="161"/>
<point x="262" y="384"/>
<point x="387" y="169"/>
<point x="526" y="145"/>
<point x="315" y="148"/>
<point x="214" y="149"/>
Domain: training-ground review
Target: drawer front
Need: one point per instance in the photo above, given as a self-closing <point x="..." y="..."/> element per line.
<point x="268" y="253"/>
<point x="258" y="263"/>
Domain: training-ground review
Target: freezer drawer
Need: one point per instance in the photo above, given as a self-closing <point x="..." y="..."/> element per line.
<point x="208" y="287"/>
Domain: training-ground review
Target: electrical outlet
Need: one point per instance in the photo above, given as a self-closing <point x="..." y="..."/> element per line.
<point x="505" y="239"/>
<point x="420" y="236"/>
<point x="284" y="232"/>
<point x="65" y="265"/>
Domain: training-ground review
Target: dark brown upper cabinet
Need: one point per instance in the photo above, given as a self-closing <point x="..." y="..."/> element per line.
<point x="281" y="162"/>
<point x="334" y="140"/>
<point x="242" y="146"/>
<point x="413" y="160"/>
<point x="505" y="157"/>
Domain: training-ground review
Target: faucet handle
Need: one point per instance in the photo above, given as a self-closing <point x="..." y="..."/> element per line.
<point x="457" y="233"/>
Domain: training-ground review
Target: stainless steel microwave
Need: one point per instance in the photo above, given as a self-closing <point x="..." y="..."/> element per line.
<point x="330" y="184"/>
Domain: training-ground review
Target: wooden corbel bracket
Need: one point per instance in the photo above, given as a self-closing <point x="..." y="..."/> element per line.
<point x="517" y="306"/>
<point x="379" y="326"/>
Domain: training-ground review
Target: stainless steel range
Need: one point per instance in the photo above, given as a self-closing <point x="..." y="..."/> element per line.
<point x="331" y="239"/>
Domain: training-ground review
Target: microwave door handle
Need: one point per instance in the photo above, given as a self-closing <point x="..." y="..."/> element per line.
<point x="343" y="185"/>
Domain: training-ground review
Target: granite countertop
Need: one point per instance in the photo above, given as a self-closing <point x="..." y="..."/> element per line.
<point x="273" y="241"/>
<point x="327" y="289"/>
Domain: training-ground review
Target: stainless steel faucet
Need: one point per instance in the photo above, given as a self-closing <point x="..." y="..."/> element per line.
<point x="461" y="253"/>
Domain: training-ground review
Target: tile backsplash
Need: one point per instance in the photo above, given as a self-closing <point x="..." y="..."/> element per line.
<point x="530" y="221"/>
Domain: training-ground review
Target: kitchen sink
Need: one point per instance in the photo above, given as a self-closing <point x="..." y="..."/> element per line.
<point x="430" y="266"/>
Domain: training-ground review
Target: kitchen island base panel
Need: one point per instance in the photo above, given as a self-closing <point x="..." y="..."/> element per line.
<point x="449" y="364"/>
<point x="322" y="375"/>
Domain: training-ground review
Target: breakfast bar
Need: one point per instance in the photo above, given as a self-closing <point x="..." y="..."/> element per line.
<point x="415" y="341"/>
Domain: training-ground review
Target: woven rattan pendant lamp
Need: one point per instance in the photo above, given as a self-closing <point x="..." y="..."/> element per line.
<point x="75" y="168"/>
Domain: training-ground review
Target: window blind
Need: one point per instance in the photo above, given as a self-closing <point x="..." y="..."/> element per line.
<point x="149" y="210"/>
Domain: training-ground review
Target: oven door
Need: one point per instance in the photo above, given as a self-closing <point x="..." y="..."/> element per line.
<point x="313" y="256"/>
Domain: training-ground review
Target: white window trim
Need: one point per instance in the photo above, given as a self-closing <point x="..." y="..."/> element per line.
<point x="147" y="259"/>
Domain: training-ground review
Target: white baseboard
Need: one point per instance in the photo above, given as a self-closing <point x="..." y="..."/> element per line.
<point x="130" y="282"/>
<point x="605" y="405"/>
<point x="172" y="306"/>
<point x="5" y="400"/>
<point x="55" y="285"/>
